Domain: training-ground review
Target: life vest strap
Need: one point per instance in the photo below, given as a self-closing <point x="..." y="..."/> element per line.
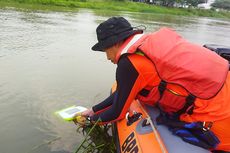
<point x="162" y="88"/>
<point x="144" y="92"/>
<point x="188" y="107"/>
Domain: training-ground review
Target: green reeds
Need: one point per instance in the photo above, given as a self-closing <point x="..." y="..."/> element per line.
<point x="97" y="139"/>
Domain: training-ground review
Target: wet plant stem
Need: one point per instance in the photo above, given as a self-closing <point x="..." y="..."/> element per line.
<point x="95" y="124"/>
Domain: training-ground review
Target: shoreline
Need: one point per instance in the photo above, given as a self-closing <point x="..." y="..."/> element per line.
<point x="58" y="5"/>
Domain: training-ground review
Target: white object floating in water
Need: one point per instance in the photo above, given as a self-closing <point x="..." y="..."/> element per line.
<point x="68" y="113"/>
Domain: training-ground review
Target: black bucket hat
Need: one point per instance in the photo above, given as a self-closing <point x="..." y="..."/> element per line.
<point x="112" y="31"/>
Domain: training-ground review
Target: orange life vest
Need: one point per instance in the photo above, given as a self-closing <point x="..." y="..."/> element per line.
<point x="199" y="71"/>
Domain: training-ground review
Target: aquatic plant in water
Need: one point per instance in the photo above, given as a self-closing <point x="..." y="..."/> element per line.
<point x="98" y="139"/>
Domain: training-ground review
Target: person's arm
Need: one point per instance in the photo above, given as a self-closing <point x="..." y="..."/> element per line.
<point x="126" y="77"/>
<point x="104" y="104"/>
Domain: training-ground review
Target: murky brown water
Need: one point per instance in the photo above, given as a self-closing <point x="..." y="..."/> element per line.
<point x="46" y="64"/>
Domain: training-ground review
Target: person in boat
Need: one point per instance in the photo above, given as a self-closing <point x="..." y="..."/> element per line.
<point x="189" y="83"/>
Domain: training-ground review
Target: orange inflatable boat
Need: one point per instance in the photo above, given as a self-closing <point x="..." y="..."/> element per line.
<point x="139" y="133"/>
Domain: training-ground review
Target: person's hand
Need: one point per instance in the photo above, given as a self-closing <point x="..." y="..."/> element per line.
<point x="88" y="112"/>
<point x="82" y="121"/>
<point x="82" y="118"/>
<point x="79" y="120"/>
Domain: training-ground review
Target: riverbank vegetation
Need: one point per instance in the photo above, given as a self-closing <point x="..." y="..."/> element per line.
<point x="222" y="4"/>
<point x="116" y="6"/>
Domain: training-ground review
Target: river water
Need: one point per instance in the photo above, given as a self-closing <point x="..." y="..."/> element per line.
<point x="46" y="64"/>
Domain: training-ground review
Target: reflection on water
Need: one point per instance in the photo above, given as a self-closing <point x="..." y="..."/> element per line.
<point x="46" y="64"/>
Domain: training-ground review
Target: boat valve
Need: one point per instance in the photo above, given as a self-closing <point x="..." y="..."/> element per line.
<point x="133" y="118"/>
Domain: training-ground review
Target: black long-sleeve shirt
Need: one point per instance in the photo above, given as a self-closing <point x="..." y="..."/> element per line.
<point x="126" y="76"/>
<point x="134" y="72"/>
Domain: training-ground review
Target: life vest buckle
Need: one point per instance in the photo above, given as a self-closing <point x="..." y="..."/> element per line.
<point x="207" y="126"/>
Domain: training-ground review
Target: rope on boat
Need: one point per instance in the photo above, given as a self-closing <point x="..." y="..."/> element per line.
<point x="157" y="135"/>
<point x="155" y="131"/>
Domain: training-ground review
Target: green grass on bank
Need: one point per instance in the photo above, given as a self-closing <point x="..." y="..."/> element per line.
<point x="112" y="5"/>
